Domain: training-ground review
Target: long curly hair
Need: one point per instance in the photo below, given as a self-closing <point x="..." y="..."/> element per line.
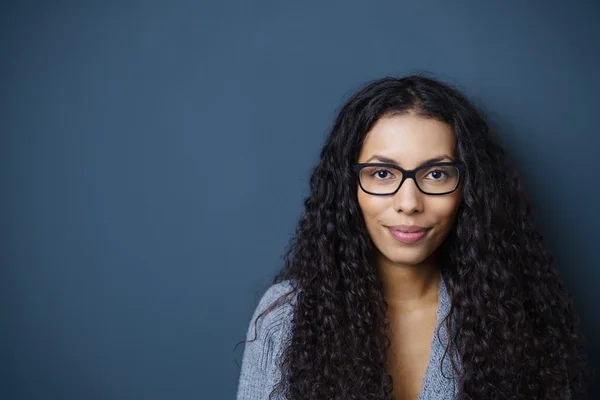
<point x="513" y="324"/>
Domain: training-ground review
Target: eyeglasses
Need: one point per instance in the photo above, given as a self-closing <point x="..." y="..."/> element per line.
<point x="385" y="179"/>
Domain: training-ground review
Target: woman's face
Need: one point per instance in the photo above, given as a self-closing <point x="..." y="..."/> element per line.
<point x="410" y="141"/>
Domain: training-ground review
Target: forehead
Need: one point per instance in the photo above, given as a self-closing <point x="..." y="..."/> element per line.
<point x="409" y="139"/>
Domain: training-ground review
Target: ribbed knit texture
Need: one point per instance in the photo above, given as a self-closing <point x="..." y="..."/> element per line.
<point x="259" y="365"/>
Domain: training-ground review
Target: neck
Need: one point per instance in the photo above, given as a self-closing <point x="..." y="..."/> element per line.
<point x="409" y="286"/>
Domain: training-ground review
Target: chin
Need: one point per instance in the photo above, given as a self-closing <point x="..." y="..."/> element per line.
<point x="404" y="256"/>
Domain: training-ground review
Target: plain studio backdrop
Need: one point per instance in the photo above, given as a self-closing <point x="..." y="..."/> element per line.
<point x="154" y="157"/>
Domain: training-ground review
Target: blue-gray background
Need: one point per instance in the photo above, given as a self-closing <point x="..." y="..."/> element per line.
<point x="154" y="157"/>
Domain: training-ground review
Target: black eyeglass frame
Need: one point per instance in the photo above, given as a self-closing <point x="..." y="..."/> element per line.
<point x="411" y="174"/>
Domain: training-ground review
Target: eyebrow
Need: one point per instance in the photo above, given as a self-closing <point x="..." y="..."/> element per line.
<point x="388" y="160"/>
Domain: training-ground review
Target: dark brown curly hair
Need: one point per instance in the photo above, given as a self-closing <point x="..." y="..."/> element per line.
<point x="514" y="325"/>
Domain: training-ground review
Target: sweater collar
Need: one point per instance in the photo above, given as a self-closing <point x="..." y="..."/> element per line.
<point x="438" y="381"/>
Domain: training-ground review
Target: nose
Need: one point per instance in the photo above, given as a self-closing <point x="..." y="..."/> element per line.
<point x="408" y="199"/>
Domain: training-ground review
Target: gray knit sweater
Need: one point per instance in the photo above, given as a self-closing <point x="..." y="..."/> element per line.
<point x="260" y="371"/>
<point x="259" y="365"/>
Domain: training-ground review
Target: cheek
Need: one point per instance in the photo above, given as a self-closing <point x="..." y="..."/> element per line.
<point x="445" y="210"/>
<point x="371" y="206"/>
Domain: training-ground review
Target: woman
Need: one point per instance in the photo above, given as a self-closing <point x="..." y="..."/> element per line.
<point x="414" y="215"/>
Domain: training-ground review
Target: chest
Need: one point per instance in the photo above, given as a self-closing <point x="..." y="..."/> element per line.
<point x="409" y="352"/>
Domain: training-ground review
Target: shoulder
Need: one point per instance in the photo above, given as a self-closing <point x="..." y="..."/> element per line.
<point x="273" y="314"/>
<point x="280" y="293"/>
<point x="268" y="331"/>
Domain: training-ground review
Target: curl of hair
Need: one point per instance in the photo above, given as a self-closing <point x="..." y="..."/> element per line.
<point x="514" y="326"/>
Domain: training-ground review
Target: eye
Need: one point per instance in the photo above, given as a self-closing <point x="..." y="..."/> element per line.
<point x="437" y="174"/>
<point x="381" y="174"/>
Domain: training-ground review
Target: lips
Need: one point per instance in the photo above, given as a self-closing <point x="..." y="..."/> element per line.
<point x="407" y="228"/>
<point x="408" y="234"/>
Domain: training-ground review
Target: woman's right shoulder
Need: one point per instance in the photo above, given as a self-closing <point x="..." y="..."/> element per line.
<point x="271" y="322"/>
<point x="276" y="303"/>
<point x="276" y="290"/>
<point x="268" y="331"/>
